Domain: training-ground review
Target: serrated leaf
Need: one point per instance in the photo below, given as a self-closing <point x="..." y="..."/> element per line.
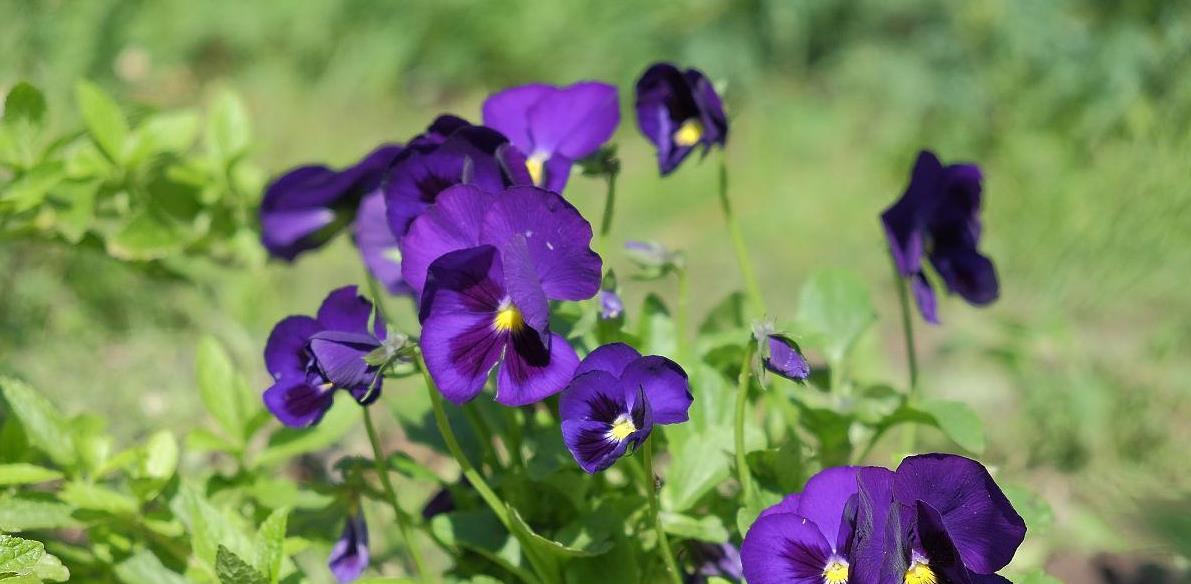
<point x="835" y="309"/>
<point x="231" y="569"/>
<point x="270" y="544"/>
<point x="26" y="474"/>
<point x="43" y="424"/>
<point x="19" y="555"/>
<point x="50" y="568"/>
<point x="105" y="122"/>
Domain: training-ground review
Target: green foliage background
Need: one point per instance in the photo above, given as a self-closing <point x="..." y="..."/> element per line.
<point x="1078" y="110"/>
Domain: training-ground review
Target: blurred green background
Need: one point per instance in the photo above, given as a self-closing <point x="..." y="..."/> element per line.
<point x="1079" y="112"/>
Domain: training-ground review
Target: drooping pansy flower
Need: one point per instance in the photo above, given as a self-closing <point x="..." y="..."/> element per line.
<point x="677" y="111"/>
<point x="782" y="356"/>
<point x="554" y="126"/>
<point x="615" y="399"/>
<point x="939" y="217"/>
<point x="349" y="557"/>
<point x="939" y="519"/>
<point x="806" y="539"/>
<point x="486" y="266"/>
<point x="304" y="207"/>
<point x="611" y="305"/>
<point x="310" y="357"/>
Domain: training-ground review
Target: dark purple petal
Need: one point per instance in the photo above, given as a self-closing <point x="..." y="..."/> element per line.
<point x="297" y="404"/>
<point x="595" y="395"/>
<point x="289" y="232"/>
<point x="824" y="498"/>
<point x="665" y="385"/>
<point x="345" y="310"/>
<point x="439" y="130"/>
<point x="967" y="273"/>
<point x="784" y="548"/>
<point x="611" y="358"/>
<point x="556" y="172"/>
<point x="507" y="111"/>
<point x="924" y="298"/>
<point x="789" y="504"/>
<point x="339" y="356"/>
<point x="786" y="359"/>
<point x="906" y="218"/>
<point x="533" y="370"/>
<point x="982" y="523"/>
<point x="349" y="558"/>
<point x="453" y="223"/>
<point x="711" y="108"/>
<point x="558" y="239"/>
<point x="378" y="245"/>
<point x="670" y="100"/>
<point x="871" y="546"/>
<point x="943" y="559"/>
<point x="574" y="121"/>
<point x="285" y="351"/>
<point x="590" y="444"/>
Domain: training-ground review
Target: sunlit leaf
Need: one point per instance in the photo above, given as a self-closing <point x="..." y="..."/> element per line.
<point x="104" y="120"/>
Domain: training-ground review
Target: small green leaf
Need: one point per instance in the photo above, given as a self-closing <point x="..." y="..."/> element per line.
<point x="144" y="568"/>
<point x="270" y="544"/>
<point x="50" y="568"/>
<point x="835" y="308"/>
<point x="165" y="132"/>
<point x="656" y="329"/>
<point x="43" y="424"/>
<point x="161" y="456"/>
<point x="228" y="129"/>
<point x="21" y="513"/>
<point x="708" y="528"/>
<point x="958" y="421"/>
<point x="148" y="235"/>
<point x="18" y="555"/>
<point x="98" y="498"/>
<point x="26" y="474"/>
<point x="233" y="570"/>
<point x="26" y="104"/>
<point x="218" y="387"/>
<point x="481" y="532"/>
<point x="696" y="467"/>
<point x="104" y="120"/>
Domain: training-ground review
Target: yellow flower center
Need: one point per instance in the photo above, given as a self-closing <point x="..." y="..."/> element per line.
<point x="508" y="319"/>
<point x="920" y="573"/>
<point x="622" y="428"/>
<point x="836" y="572"/>
<point x="689" y="133"/>
<point x="536" y="165"/>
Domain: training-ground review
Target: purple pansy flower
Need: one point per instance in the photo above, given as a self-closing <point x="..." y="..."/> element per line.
<point x="309" y="358"/>
<point x="940" y="518"/>
<point x="452" y="153"/>
<point x="677" y="111"/>
<point x="486" y="267"/>
<point x="554" y="126"/>
<point x="615" y="399"/>
<point x="378" y="246"/>
<point x="302" y="208"/>
<point x="939" y="216"/>
<point x="611" y="305"/>
<point x="710" y="559"/>
<point x="349" y="558"/>
<point x="783" y="357"/>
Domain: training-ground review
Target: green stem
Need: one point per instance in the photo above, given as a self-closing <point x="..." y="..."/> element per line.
<point x="742" y="255"/>
<point x="683" y="312"/>
<point x="742" y="399"/>
<point x="655" y="517"/>
<point x="609" y="205"/>
<point x="382" y="470"/>
<point x="903" y="297"/>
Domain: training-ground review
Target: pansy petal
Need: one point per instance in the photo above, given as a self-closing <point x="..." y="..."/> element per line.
<point x="465" y="281"/>
<point x="824" y="497"/>
<point x="575" y="120"/>
<point x="558" y="239"/>
<point x="611" y="358"/>
<point x="666" y="387"/>
<point x="288" y="232"/>
<point x="870" y="543"/>
<point x="784" y="548"/>
<point x="715" y="122"/>
<point x="556" y="173"/>
<point x="524" y="285"/>
<point x="924" y="298"/>
<point x="968" y="273"/>
<point x="345" y="310"/>
<point x="452" y="223"/>
<point x="905" y="220"/>
<point x="789" y="504"/>
<point x="982" y="523"/>
<point x="377" y="244"/>
<point x="460" y="350"/>
<point x="349" y="557"/>
<point x="340" y="357"/>
<point x="785" y="358"/>
<point x="507" y="111"/>
<point x="590" y="444"/>
<point x="533" y="370"/>
<point x="595" y="395"/>
<point x="932" y="535"/>
<point x="297" y="404"/>
<point x="286" y="348"/>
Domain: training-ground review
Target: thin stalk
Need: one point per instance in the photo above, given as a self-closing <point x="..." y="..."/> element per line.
<point x="903" y="297"/>
<point x="651" y="489"/>
<point x="382" y="470"/>
<point x="609" y="205"/>
<point x="742" y="399"/>
<point x="752" y="288"/>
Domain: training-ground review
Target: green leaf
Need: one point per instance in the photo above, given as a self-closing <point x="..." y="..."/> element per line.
<point x="204" y="440"/>
<point x="20" y="579"/>
<point x="696" y="467"/>
<point x="75" y="206"/>
<point x="1037" y="576"/>
<point x="164" y="132"/>
<point x="233" y="570"/>
<point x="19" y="555"/>
<point x="50" y="568"/>
<point x="727" y="316"/>
<point x="708" y="528"/>
<point x="481" y="532"/>
<point x="43" y="424"/>
<point x="104" y="120"/>
<point x="228" y="129"/>
<point x="26" y="474"/>
<point x="26" y="104"/>
<point x="287" y="443"/>
<point x="209" y="526"/>
<point x="835" y="309"/>
<point x="219" y="387"/>
<point x="656" y="329"/>
<point x="98" y="498"/>
<point x="144" y="568"/>
<point x="25" y="512"/>
<point x="958" y="421"/>
<point x="148" y="235"/>
<point x="31" y="189"/>
<point x="161" y="456"/>
<point x="270" y="544"/>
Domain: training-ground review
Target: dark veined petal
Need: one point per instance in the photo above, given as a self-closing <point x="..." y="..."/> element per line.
<point x="339" y="356"/>
<point x="345" y="310"/>
<point x="711" y="108"/>
<point x="943" y="559"/>
<point x="905" y="220"/>
<point x="507" y="111"/>
<point x="789" y="504"/>
<point x="590" y="445"/>
<point x="285" y="351"/>
<point x="574" y="121"/>
<point x="665" y="385"/>
<point x="297" y="404"/>
<point x="452" y="223"/>
<point x="557" y="236"/>
<point x="924" y="298"/>
<point x="466" y="281"/>
<point x="979" y="518"/>
<point x="350" y="556"/>
<point x="967" y="273"/>
<point x="664" y="101"/>
<point x="824" y="498"/>
<point x="872" y="544"/>
<point x="524" y="286"/>
<point x="533" y="370"/>
<point x="611" y="358"/>
<point x="594" y="395"/>
<point x="785" y="358"/>
<point x="377" y="244"/>
<point x="784" y="548"/>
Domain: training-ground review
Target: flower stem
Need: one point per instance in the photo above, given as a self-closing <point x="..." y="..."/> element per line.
<point x="655" y="517"/>
<point x="903" y="297"/>
<point x="742" y="399"/>
<point x="609" y="204"/>
<point x="752" y="288"/>
<point x="382" y="470"/>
